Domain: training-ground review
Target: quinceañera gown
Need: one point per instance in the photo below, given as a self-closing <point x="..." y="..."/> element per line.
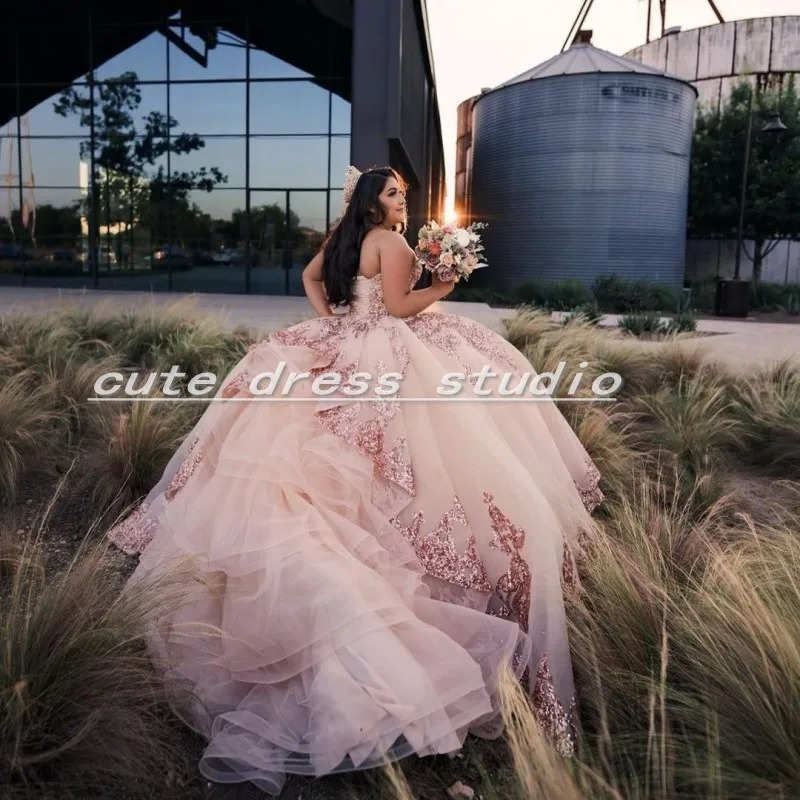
<point x="363" y="571"/>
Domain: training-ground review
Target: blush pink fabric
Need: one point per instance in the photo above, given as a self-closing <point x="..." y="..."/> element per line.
<point x="360" y="573"/>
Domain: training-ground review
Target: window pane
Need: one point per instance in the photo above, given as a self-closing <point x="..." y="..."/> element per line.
<point x="56" y="218"/>
<point x="54" y="162"/>
<point x="340" y="118"/>
<point x="208" y="241"/>
<point x="299" y="162"/>
<point x="208" y="107"/>
<point x="340" y="159"/>
<point x="337" y="205"/>
<point x="293" y="107"/>
<point x="265" y="65"/>
<point x="42" y="118"/>
<point x="308" y="210"/>
<point x="267" y="228"/>
<point x="146" y="52"/>
<point x="227" y="154"/>
<point x="225" y="60"/>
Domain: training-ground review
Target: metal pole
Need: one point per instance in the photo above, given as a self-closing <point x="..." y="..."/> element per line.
<point x="742" y="201"/>
<point x="649" y="18"/>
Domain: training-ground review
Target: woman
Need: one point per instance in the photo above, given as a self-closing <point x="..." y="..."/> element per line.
<point x="365" y="570"/>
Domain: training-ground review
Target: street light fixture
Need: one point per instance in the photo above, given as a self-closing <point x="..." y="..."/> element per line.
<point x="774" y="125"/>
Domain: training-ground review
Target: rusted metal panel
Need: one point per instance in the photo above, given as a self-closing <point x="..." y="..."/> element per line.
<point x="716" y="50"/>
<point x="682" y="54"/>
<point x="785" y="44"/>
<point x="753" y="39"/>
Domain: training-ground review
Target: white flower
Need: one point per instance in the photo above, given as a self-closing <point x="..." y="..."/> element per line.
<point x="462" y="237"/>
<point x="448" y="241"/>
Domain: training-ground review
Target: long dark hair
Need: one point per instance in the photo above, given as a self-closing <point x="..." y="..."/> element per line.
<point x="342" y="250"/>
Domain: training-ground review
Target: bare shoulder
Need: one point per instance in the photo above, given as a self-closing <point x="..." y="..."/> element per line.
<point x="391" y="242"/>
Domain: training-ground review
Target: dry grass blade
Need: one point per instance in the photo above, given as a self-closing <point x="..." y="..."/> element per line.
<point x="767" y="407"/>
<point x="134" y="448"/>
<point x="526" y="326"/>
<point x="82" y="710"/>
<point x="28" y="428"/>
<point x="692" y="422"/>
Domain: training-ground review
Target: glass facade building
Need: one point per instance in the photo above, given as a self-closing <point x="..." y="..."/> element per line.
<point x="171" y="148"/>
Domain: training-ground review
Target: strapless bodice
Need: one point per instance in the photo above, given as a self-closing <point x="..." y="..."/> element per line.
<point x="368" y="294"/>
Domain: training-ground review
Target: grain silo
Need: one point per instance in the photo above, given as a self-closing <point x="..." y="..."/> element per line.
<point x="581" y="168"/>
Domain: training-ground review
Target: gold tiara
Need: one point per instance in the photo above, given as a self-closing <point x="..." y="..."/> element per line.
<point x="350" y="181"/>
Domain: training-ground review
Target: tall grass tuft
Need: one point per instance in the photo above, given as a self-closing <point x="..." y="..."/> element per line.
<point x="133" y="448"/>
<point x="767" y="406"/>
<point x="29" y="426"/>
<point x="82" y="712"/>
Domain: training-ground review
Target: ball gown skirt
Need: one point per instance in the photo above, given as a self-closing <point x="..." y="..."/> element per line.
<point x="361" y="573"/>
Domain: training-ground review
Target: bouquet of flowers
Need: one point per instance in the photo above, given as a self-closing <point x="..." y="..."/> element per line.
<point x="450" y="252"/>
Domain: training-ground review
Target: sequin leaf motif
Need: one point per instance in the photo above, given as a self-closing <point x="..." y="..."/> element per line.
<point x="589" y="489"/>
<point x="368" y="435"/>
<point x="240" y="383"/>
<point x="556" y="723"/>
<point x="134" y="533"/>
<point x="191" y="460"/>
<point x="449" y="332"/>
<point x="437" y="554"/>
<point x="514" y="586"/>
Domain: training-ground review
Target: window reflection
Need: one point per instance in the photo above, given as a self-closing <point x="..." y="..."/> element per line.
<point x="225" y="54"/>
<point x="308" y="225"/>
<point x="293" y="161"/>
<point x="340" y="159"/>
<point x="288" y="107"/>
<point x="225" y="153"/>
<point x="208" y="107"/>
<point x="340" y="115"/>
<point x="145" y="52"/>
<point x="265" y="65"/>
<point x="54" y="162"/>
<point x="158" y="206"/>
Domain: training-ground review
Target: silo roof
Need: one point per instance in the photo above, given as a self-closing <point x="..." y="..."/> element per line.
<point x="582" y="59"/>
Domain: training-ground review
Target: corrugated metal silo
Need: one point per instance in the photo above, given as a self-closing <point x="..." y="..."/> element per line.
<point x="581" y="168"/>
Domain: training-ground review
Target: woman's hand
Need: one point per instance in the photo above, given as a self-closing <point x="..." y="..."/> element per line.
<point x="442" y="287"/>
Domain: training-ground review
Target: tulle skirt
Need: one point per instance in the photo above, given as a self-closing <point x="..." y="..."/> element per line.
<point x="361" y="573"/>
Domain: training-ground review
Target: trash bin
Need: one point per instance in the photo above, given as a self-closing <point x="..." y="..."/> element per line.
<point x="733" y="298"/>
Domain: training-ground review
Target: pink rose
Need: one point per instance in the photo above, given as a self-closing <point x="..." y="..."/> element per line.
<point x="446" y="274"/>
<point x="447" y="260"/>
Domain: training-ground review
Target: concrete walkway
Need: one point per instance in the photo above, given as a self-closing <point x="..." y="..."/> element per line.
<point x="737" y="343"/>
<point x="740" y="343"/>
<point x="262" y="313"/>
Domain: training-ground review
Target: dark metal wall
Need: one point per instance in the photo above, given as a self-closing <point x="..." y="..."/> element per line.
<point x="395" y="107"/>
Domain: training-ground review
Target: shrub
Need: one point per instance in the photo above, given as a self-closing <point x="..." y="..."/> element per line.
<point x="683" y="322"/>
<point x="649" y="323"/>
<point x="620" y="296"/>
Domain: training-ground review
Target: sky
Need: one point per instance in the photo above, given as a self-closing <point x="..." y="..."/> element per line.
<point x="480" y="43"/>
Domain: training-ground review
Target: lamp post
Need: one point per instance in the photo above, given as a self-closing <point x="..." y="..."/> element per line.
<point x="732" y="296"/>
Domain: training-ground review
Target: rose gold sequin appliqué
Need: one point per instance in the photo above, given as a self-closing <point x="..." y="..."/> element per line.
<point x="134" y="533"/>
<point x="185" y="471"/>
<point x="589" y="489"/>
<point x="514" y="586"/>
<point x="437" y="551"/>
<point x="550" y="713"/>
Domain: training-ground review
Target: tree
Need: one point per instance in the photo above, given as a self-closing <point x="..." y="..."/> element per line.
<point x="772" y="206"/>
<point x="128" y="187"/>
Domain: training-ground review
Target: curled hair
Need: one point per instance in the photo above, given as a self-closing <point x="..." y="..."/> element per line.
<point x="342" y="250"/>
